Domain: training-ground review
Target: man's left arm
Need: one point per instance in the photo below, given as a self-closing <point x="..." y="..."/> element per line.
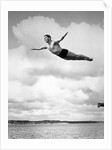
<point x="58" y="41"/>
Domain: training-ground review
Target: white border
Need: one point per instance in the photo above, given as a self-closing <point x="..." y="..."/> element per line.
<point x="53" y="6"/>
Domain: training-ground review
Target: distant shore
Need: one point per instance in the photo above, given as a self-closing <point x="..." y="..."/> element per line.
<point x="49" y="121"/>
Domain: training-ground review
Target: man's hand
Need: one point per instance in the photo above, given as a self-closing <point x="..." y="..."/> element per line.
<point x="42" y="48"/>
<point x="33" y="49"/>
<point x="36" y="49"/>
<point x="65" y="34"/>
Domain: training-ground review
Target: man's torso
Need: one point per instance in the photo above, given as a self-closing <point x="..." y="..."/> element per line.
<point x="54" y="48"/>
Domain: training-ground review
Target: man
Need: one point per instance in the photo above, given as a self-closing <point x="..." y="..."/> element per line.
<point x="55" y="48"/>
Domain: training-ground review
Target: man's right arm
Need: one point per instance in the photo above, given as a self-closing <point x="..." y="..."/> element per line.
<point x="42" y="48"/>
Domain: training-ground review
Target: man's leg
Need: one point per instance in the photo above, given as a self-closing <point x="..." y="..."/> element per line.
<point x="73" y="56"/>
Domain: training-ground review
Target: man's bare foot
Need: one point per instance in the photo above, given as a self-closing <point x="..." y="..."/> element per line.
<point x="89" y="59"/>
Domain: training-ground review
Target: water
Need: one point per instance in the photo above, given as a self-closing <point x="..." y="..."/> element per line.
<point x="56" y="131"/>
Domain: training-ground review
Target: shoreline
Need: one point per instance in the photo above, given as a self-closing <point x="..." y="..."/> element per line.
<point x="49" y="121"/>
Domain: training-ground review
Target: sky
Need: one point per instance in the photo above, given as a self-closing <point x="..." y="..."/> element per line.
<point x="43" y="86"/>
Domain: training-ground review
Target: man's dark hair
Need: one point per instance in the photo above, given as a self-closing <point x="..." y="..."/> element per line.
<point x="48" y="35"/>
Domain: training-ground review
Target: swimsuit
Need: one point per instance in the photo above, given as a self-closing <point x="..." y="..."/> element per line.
<point x="63" y="53"/>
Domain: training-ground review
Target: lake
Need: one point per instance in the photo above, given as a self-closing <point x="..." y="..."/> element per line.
<point x="56" y="131"/>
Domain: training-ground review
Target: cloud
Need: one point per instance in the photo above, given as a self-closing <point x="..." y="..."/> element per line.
<point x="44" y="86"/>
<point x="52" y="96"/>
<point x="82" y="38"/>
<point x="31" y="30"/>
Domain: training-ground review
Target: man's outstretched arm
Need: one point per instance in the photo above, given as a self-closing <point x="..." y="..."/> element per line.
<point x="42" y="48"/>
<point x="61" y="38"/>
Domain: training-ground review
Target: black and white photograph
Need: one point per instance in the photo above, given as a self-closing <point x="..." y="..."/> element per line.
<point x="56" y="75"/>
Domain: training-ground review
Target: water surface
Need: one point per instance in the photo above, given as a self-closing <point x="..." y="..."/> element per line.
<point x="56" y="131"/>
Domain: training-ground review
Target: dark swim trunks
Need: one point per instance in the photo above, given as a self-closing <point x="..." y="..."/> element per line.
<point x="63" y="53"/>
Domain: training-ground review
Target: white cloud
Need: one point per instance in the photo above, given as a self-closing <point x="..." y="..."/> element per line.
<point x="42" y="85"/>
<point x="82" y="38"/>
<point x="53" y="96"/>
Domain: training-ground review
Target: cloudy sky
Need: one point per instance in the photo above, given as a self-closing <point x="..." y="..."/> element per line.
<point x="44" y="86"/>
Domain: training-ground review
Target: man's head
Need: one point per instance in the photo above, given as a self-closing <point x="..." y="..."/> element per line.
<point x="47" y="38"/>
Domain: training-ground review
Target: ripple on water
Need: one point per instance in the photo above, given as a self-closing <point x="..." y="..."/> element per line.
<point x="56" y="131"/>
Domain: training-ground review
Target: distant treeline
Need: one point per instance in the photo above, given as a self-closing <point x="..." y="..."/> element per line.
<point x="48" y="121"/>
